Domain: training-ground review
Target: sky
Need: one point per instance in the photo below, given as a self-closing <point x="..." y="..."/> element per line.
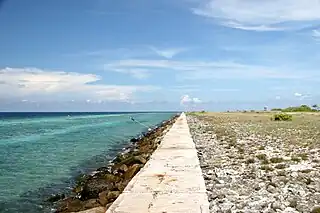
<point x="150" y="55"/>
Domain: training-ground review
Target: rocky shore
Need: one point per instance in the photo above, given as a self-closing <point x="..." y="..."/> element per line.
<point x="252" y="164"/>
<point x="99" y="189"/>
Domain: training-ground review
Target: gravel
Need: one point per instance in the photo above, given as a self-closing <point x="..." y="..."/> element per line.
<point x="256" y="165"/>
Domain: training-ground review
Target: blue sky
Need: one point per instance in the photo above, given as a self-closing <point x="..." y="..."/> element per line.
<point x="101" y="55"/>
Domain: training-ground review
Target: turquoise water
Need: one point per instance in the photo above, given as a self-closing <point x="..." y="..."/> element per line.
<point x="41" y="154"/>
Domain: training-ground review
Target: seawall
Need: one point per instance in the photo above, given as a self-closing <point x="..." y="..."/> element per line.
<point x="171" y="181"/>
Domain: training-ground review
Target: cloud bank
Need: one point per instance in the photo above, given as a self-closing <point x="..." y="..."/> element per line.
<point x="37" y="84"/>
<point x="188" y="100"/>
<point x="261" y="15"/>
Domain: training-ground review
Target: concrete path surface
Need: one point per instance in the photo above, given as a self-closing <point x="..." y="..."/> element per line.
<point x="170" y="182"/>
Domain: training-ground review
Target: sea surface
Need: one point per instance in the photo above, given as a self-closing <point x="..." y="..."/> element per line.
<point x="42" y="153"/>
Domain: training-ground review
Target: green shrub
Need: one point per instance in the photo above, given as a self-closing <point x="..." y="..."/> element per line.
<point x="267" y="168"/>
<point x="303" y="156"/>
<point x="282" y="117"/>
<point x="276" y="160"/>
<point x="261" y="157"/>
<point x="316" y="210"/>
<point x="295" y="159"/>
<point x="250" y="160"/>
<point x="281" y="166"/>
<point x="276" y="109"/>
<point x="302" y="108"/>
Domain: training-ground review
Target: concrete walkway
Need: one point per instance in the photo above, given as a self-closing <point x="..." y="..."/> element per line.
<point x="170" y="182"/>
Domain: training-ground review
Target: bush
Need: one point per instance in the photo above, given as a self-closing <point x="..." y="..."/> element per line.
<point x="302" y="108"/>
<point x="276" y="109"/>
<point x="282" y="117"/>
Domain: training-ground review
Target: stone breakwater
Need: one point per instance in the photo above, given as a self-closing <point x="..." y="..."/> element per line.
<point x="98" y="190"/>
<point x="245" y="172"/>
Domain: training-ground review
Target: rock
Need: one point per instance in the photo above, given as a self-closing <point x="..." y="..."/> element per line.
<point x="112" y="178"/>
<point x="134" y="140"/>
<point x="112" y="195"/>
<point x="123" y="168"/>
<point x="130" y="161"/>
<point x="94" y="186"/>
<point x="303" y="207"/>
<point x="257" y="187"/>
<point x="107" y="197"/>
<point x="94" y="210"/>
<point x="134" y="169"/>
<point x="89" y="204"/>
<point x="271" y="189"/>
<point x="104" y="169"/>
<point x="108" y="205"/>
<point x="140" y="159"/>
<point x="78" y="189"/>
<point x="276" y="205"/>
<point x="103" y="200"/>
<point x="290" y="210"/>
<point x="122" y="185"/>
<point x="293" y="203"/>
<point x="55" y="198"/>
<point x="70" y="205"/>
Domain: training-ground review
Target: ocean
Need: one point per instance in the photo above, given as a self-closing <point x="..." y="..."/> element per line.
<point x="42" y="153"/>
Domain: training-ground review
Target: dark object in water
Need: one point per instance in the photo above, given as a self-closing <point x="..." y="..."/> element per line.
<point x="56" y="197"/>
<point x="134" y="140"/>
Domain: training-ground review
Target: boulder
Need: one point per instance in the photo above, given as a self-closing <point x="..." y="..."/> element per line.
<point x="89" y="204"/>
<point x="140" y="159"/>
<point x="122" y="185"/>
<point x="128" y="162"/>
<point x="95" y="210"/>
<point x="123" y="168"/>
<point x="108" y="205"/>
<point x="106" y="197"/>
<point x="132" y="171"/>
<point x="112" y="178"/>
<point x="93" y="187"/>
<point x="103" y="200"/>
<point x="70" y="205"/>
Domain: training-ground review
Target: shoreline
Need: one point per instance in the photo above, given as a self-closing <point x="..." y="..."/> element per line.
<point x="101" y="187"/>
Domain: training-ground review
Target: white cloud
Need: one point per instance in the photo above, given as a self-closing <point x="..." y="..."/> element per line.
<point x="297" y="94"/>
<point x="240" y="26"/>
<point x="303" y="96"/>
<point x="167" y="53"/>
<point x="198" y="70"/>
<point x="278" y="97"/>
<point x="316" y="35"/>
<point x="33" y="83"/>
<point x="188" y="100"/>
<point x="185" y="99"/>
<point x="196" y="100"/>
<point x="261" y="15"/>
